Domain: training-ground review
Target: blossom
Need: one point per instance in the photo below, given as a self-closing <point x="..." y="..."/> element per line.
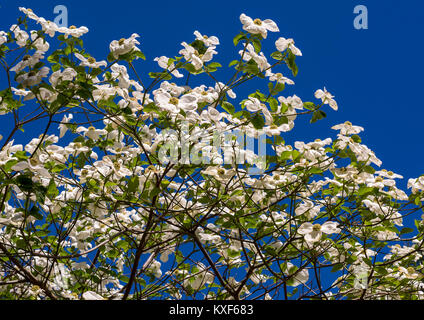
<point x="92" y="132"/>
<point x="187" y="102"/>
<point x="90" y="61"/>
<point x="347" y="128"/>
<point x="3" y="37"/>
<point x="33" y="77"/>
<point x="72" y="31"/>
<point x="326" y="98"/>
<point x="313" y="232"/>
<point x="260" y="58"/>
<point x="62" y="126"/>
<point x="91" y="295"/>
<point x="21" y="36"/>
<point x="219" y="173"/>
<point x="208" y="41"/>
<point x="58" y="76"/>
<point x="416" y="184"/>
<point x="28" y="61"/>
<point x="296" y="277"/>
<point x="123" y="46"/>
<point x="163" y="62"/>
<point x="280" y="78"/>
<point x="196" y="58"/>
<point x="258" y="26"/>
<point x="282" y="44"/>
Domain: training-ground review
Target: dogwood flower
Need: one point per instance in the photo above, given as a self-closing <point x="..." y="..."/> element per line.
<point x="28" y="61"/>
<point x="416" y="184"/>
<point x="58" y="76"/>
<point x="91" y="295"/>
<point x="208" y="41"/>
<point x="300" y="277"/>
<point x="33" y="77"/>
<point x="62" y="126"/>
<point x="258" y="26"/>
<point x="3" y="37"/>
<point x="347" y="128"/>
<point x="72" y="31"/>
<point x="196" y="58"/>
<point x="163" y="63"/>
<point x="260" y="58"/>
<point x="326" y="98"/>
<point x="313" y="232"/>
<point x="92" y="132"/>
<point x="90" y="61"/>
<point x="123" y="46"/>
<point x="282" y="44"/>
<point x="280" y="78"/>
<point x="21" y="36"/>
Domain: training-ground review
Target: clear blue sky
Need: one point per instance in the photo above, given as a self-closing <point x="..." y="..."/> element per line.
<point x="375" y="74"/>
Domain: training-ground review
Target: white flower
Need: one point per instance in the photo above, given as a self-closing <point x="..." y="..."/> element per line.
<point x="163" y="63"/>
<point x="72" y="31"/>
<point x="32" y="78"/>
<point x="347" y="128"/>
<point x="214" y="114"/>
<point x="28" y="95"/>
<point x="29" y="13"/>
<point x="282" y="44"/>
<point x="300" y="277"/>
<point x="260" y="58"/>
<point x="90" y="61"/>
<point x="258" y="26"/>
<point x="91" y="295"/>
<point x="41" y="44"/>
<point x="34" y="165"/>
<point x="253" y="104"/>
<point x="416" y="184"/>
<point x="389" y="174"/>
<point x="120" y="72"/>
<point x="219" y="86"/>
<point x="21" y="36"/>
<point x="280" y="78"/>
<point x="62" y="126"/>
<point x="313" y="232"/>
<point x="123" y="46"/>
<point x="219" y="173"/>
<point x="196" y="58"/>
<point x="3" y="37"/>
<point x="187" y="102"/>
<point x="66" y="75"/>
<point x="326" y="98"/>
<point x="208" y="41"/>
<point x="28" y="61"/>
<point x="92" y="132"/>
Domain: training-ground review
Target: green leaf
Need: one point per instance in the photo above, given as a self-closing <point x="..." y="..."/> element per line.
<point x="258" y="121"/>
<point x="292" y="64"/>
<point x="406" y="230"/>
<point x="277" y="55"/>
<point x="238" y="38"/>
<point x="228" y="107"/>
<point x="133" y="184"/>
<point x="318" y="115"/>
<point x="309" y="105"/>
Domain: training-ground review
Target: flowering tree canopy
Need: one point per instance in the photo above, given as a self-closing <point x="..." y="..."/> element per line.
<point x="142" y="188"/>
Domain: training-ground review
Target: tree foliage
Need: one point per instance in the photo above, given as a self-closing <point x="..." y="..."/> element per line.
<point x="141" y="188"/>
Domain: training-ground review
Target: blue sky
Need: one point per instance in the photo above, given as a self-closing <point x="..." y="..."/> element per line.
<point x="375" y="74"/>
